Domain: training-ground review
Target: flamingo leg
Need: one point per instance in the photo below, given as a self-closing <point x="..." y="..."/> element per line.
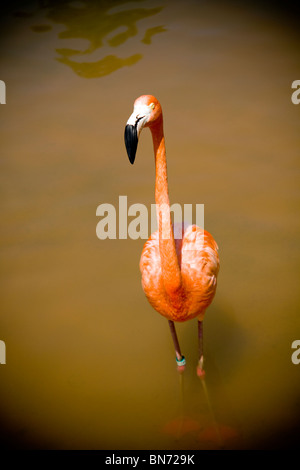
<point x="200" y="370"/>
<point x="179" y="357"/>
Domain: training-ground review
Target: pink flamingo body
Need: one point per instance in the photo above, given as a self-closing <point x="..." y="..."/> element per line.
<point x="179" y="273"/>
<point x="198" y="262"/>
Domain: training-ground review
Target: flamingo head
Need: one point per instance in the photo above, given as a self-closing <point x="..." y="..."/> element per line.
<point x="146" y="113"/>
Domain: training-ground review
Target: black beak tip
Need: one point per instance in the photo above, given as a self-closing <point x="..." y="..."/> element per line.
<point x="131" y="157"/>
<point x="131" y="141"/>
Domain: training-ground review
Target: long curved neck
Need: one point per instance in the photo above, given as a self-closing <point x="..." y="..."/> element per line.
<point x="169" y="261"/>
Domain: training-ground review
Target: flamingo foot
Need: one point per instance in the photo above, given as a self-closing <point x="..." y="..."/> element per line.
<point x="200" y="370"/>
<point x="181" y="364"/>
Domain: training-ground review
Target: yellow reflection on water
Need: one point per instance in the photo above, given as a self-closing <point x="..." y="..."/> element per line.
<point x="102" y="67"/>
<point x="99" y="23"/>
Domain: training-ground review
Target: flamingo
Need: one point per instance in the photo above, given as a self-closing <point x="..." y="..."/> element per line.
<point x="179" y="271"/>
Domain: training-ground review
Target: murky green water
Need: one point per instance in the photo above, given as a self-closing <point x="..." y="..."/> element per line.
<point x="89" y="363"/>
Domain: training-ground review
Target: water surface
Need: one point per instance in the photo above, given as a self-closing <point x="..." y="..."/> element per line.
<point x="89" y="363"/>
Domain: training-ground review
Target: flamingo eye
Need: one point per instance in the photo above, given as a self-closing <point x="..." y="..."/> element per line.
<point x="152" y="105"/>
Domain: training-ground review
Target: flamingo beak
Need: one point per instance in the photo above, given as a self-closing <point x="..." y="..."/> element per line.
<point x="134" y="126"/>
<point x="131" y="141"/>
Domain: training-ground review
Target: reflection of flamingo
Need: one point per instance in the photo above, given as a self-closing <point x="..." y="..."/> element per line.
<point x="179" y="275"/>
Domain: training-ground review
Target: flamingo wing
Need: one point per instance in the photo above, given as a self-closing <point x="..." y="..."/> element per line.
<point x="199" y="268"/>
